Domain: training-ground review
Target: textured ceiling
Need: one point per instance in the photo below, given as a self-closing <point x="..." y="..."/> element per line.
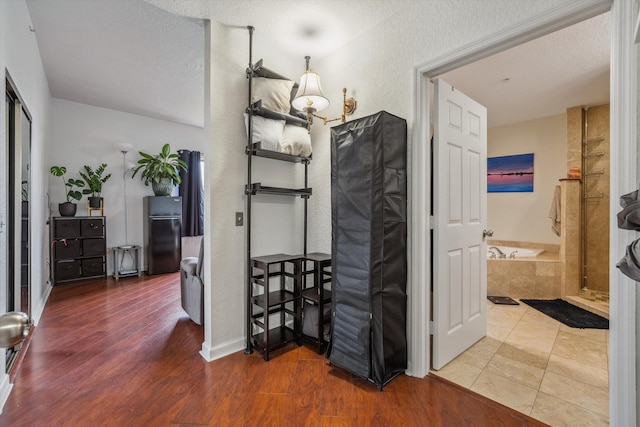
<point x="123" y="55"/>
<point x="308" y="27"/>
<point x="134" y="57"/>
<point x="543" y="77"/>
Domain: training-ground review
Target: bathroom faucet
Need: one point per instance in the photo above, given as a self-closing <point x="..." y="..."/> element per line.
<point x="512" y="255"/>
<point x="501" y="254"/>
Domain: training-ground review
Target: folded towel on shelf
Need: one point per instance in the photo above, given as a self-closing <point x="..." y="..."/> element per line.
<point x="554" y="212"/>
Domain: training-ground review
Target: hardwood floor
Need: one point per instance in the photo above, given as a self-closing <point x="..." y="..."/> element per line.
<point x="124" y="353"/>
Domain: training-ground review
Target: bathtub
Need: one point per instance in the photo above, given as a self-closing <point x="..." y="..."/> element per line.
<point x="536" y="272"/>
<point x="519" y="252"/>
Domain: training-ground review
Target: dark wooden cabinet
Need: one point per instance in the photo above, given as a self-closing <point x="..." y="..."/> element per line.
<point x="78" y="248"/>
<point x="296" y="291"/>
<point x="277" y="280"/>
<point x="316" y="299"/>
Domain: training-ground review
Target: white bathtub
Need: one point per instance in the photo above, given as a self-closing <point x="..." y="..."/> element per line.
<point x="519" y="252"/>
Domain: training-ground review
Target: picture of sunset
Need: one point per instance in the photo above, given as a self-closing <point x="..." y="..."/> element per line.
<point x="510" y="174"/>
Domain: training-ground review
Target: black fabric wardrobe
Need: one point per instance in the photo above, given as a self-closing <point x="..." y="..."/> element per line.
<point x="369" y="246"/>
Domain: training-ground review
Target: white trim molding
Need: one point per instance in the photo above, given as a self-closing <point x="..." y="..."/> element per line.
<point x="5" y="390"/>
<point x="225" y="349"/>
<point x="637" y="38"/>
<point x="622" y="291"/>
<point x="419" y="234"/>
<point x="36" y="312"/>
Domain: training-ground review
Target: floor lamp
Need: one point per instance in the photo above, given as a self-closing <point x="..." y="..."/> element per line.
<point x="124" y="149"/>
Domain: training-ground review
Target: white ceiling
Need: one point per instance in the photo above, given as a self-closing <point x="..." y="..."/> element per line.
<point x="122" y="55"/>
<point x="546" y="76"/>
<point x="134" y="57"/>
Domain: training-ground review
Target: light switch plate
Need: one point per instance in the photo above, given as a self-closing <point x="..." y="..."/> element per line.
<point x="239" y="219"/>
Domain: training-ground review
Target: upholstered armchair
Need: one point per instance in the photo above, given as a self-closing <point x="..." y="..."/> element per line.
<point x="192" y="286"/>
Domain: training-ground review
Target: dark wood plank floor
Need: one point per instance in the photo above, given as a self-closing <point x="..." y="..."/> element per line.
<point x="124" y="353"/>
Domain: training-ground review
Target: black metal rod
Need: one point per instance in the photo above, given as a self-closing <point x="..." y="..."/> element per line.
<point x="248" y="348"/>
<point x="306" y="201"/>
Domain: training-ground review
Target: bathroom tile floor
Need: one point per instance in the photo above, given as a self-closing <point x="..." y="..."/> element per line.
<point x="539" y="366"/>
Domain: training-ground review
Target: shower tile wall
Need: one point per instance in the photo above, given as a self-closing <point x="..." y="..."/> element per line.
<point x="597" y="208"/>
<point x="570" y="247"/>
<point x="538" y="277"/>
<point x="522" y="278"/>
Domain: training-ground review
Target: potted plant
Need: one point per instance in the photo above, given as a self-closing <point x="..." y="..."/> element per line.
<point x="94" y="180"/>
<point x="68" y="208"/>
<point x="161" y="170"/>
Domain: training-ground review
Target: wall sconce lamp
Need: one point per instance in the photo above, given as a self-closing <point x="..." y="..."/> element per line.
<point x="311" y="100"/>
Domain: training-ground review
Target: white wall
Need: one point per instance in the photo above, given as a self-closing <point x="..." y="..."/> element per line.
<point x="524" y="216"/>
<point x="20" y="56"/>
<point x="276" y="220"/>
<point x="377" y="68"/>
<point x="86" y="135"/>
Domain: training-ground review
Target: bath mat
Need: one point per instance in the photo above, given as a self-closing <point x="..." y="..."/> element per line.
<point x="503" y="300"/>
<point x="568" y="314"/>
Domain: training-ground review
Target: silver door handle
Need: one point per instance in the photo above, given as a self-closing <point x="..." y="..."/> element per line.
<point x="487" y="233"/>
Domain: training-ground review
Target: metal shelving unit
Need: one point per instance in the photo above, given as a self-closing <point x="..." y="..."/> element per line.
<point x="285" y="297"/>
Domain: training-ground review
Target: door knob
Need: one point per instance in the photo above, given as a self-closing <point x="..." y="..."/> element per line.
<point x="487" y="233"/>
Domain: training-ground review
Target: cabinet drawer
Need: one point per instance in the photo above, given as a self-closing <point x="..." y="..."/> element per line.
<point x="92" y="227"/>
<point x="67" y="270"/>
<point x="66" y="228"/>
<point x="93" y="247"/>
<point x="92" y="267"/>
<point x="67" y="248"/>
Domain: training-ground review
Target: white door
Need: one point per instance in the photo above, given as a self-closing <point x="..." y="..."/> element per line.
<point x="459" y="206"/>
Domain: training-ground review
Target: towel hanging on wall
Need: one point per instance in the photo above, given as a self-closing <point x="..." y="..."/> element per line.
<point x="554" y="212"/>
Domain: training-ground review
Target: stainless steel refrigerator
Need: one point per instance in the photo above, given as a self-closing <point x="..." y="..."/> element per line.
<point x="162" y="233"/>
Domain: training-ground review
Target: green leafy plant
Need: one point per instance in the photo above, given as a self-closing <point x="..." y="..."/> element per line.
<point x="165" y="165"/>
<point x="69" y="184"/>
<point x="94" y="179"/>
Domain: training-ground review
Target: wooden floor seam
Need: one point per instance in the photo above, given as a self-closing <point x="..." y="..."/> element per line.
<point x="124" y="353"/>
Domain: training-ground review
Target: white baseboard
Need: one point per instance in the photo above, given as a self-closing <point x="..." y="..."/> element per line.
<point x="36" y="312"/>
<point x="5" y="390"/>
<point x="210" y="354"/>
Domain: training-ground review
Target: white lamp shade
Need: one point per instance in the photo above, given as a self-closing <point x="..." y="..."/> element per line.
<point x="309" y="96"/>
<point x="123" y="146"/>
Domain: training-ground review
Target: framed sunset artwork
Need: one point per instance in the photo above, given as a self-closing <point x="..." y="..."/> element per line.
<point x="510" y="174"/>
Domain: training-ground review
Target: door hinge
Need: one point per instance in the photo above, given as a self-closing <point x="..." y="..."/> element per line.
<point x="432" y="222"/>
<point x="431" y="328"/>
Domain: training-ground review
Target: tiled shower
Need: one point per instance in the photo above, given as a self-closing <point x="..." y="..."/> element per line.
<point x="587" y="209"/>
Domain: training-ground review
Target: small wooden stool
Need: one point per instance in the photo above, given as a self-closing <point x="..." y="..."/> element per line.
<point x="100" y="209"/>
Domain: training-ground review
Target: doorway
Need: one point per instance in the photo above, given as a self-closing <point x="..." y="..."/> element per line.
<point x="18" y="178"/>
<point x="623" y="160"/>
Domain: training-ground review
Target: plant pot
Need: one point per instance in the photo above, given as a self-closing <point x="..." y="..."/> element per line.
<point x="67" y="209"/>
<point x="162" y="188"/>
<point x="95" y="202"/>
